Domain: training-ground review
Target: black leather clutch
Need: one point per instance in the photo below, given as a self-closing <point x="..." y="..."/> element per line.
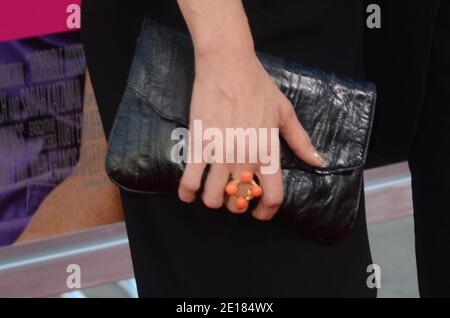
<point x="336" y="112"/>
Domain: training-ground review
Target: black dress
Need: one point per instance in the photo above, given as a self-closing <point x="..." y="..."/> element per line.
<point x="409" y="60"/>
<point x="187" y="250"/>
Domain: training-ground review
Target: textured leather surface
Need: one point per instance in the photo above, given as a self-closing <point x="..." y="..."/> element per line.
<point x="336" y="112"/>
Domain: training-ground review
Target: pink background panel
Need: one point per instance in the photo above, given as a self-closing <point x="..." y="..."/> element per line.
<point x="27" y="18"/>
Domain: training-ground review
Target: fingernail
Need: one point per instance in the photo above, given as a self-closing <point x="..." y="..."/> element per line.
<point x="320" y="159"/>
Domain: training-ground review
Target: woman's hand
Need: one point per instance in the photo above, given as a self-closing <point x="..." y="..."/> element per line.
<point x="233" y="90"/>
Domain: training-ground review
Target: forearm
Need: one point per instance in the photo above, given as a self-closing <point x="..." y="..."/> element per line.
<point x="217" y="26"/>
<point x="86" y="198"/>
<point x="78" y="203"/>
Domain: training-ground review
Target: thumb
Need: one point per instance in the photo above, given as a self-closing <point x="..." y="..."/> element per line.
<point x="296" y="136"/>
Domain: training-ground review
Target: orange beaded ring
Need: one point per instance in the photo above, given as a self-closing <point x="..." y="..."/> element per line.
<point x="253" y="191"/>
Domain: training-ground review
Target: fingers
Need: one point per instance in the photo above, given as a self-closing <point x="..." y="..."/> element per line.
<point x="215" y="183"/>
<point x="191" y="181"/>
<point x="272" y="196"/>
<point x="213" y="195"/>
<point x="296" y="136"/>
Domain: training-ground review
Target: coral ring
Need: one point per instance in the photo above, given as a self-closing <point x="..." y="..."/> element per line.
<point x="253" y="190"/>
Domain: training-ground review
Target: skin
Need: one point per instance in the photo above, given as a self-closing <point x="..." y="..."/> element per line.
<point x="86" y="198"/>
<point x="232" y="89"/>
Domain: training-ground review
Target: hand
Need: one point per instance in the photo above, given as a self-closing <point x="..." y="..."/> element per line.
<point x="232" y="89"/>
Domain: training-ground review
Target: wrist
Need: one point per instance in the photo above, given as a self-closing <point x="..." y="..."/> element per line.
<point x="224" y="62"/>
<point x="226" y="46"/>
<point x="232" y="55"/>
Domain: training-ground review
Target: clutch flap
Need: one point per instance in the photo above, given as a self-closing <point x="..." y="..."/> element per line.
<point x="336" y="112"/>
